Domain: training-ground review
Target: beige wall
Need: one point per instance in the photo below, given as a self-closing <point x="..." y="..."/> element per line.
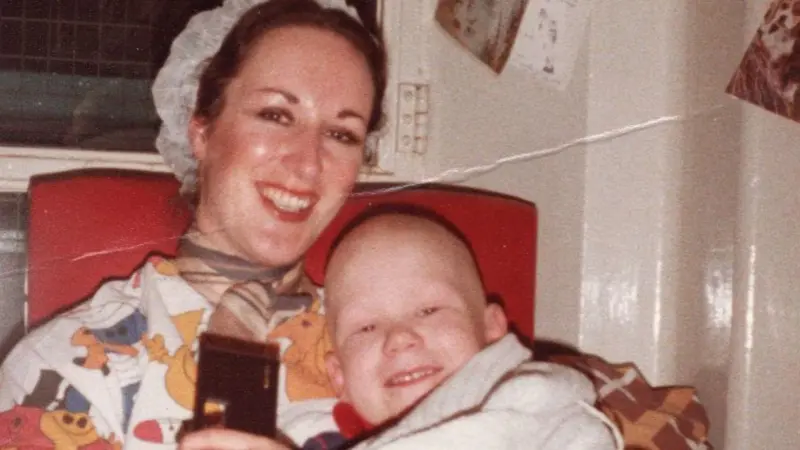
<point x="673" y="246"/>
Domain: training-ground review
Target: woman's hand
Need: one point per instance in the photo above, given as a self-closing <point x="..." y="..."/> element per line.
<point x="222" y="439"/>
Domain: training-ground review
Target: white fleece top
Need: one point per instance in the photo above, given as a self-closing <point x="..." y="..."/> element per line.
<point x="502" y="400"/>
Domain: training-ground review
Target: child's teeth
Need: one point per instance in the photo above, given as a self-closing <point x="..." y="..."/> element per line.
<point x="412" y="376"/>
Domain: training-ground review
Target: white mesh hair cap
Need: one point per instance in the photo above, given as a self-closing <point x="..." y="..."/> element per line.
<point x="175" y="87"/>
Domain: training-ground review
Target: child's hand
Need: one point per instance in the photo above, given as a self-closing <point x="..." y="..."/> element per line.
<point x="222" y="439"/>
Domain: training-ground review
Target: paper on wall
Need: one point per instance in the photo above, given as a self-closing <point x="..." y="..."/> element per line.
<point x="549" y="37"/>
<point x="486" y="28"/>
<point x="540" y="36"/>
<point x="768" y="75"/>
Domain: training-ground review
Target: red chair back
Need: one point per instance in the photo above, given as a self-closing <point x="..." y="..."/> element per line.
<point x="86" y="227"/>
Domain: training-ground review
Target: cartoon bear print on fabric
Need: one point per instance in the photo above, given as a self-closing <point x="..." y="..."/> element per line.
<point x="158" y="431"/>
<point x="19" y="428"/>
<point x="119" y="328"/>
<point x="52" y="391"/>
<point x="31" y="428"/>
<point x="96" y="358"/>
<point x="181" y="374"/>
<point x="68" y="430"/>
<point x="306" y="376"/>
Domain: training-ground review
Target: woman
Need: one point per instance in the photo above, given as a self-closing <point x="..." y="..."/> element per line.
<point x="276" y="136"/>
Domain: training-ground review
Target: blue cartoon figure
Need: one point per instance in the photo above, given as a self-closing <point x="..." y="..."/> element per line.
<point x="119" y="328"/>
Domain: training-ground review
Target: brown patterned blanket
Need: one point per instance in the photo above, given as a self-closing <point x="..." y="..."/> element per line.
<point x="649" y="418"/>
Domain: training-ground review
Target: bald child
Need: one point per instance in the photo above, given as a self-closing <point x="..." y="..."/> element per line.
<point x="416" y="344"/>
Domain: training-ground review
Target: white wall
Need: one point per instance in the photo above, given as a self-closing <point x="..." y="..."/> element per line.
<point x="478" y="118"/>
<point x="673" y="246"/>
<point x="763" y="388"/>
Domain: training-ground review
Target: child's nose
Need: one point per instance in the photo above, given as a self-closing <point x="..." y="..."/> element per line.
<point x="401" y="338"/>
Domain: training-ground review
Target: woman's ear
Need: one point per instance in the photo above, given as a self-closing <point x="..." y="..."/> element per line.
<point x="198" y="137"/>
<point x="495" y="323"/>
<point x="335" y="376"/>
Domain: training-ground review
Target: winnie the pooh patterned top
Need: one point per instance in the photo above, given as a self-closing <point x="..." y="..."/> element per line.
<point x="118" y="371"/>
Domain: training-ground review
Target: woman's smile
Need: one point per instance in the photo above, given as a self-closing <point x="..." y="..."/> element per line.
<point x="287" y="205"/>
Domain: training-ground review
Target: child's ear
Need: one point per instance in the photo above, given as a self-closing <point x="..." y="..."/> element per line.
<point x="334" y="368"/>
<point x="495" y="323"/>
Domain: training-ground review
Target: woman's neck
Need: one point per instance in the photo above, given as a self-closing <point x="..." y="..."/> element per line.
<point x="212" y="272"/>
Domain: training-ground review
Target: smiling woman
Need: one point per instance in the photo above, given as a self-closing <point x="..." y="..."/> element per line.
<point x="266" y="107"/>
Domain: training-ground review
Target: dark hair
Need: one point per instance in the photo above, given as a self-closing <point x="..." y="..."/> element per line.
<point x="237" y="45"/>
<point x="408" y="210"/>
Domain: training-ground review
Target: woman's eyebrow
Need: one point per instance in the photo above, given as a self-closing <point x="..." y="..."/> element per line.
<point x="347" y="113"/>
<point x="291" y="98"/>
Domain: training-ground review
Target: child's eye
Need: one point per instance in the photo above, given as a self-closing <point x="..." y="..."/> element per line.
<point x="366" y="328"/>
<point x="428" y="311"/>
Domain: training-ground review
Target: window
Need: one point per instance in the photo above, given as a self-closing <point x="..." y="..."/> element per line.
<point x="76" y="73"/>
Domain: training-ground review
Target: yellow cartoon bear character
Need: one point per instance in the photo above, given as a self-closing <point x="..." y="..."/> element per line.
<point x="306" y="376"/>
<point x="181" y="373"/>
<point x="164" y="266"/>
<point x="69" y="430"/>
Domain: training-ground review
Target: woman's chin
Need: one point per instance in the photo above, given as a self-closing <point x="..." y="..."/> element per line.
<point x="277" y="248"/>
<point x="276" y="257"/>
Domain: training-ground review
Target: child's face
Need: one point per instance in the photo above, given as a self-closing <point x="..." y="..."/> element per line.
<point x="406" y="311"/>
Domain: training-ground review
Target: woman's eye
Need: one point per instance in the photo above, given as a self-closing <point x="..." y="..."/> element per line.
<point x="428" y="311"/>
<point x="274" y="115"/>
<point x="345" y="137"/>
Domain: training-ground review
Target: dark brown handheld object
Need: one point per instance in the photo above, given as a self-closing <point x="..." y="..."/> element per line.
<point x="237" y="385"/>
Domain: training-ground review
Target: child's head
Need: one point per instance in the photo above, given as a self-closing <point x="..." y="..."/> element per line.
<point x="406" y="309"/>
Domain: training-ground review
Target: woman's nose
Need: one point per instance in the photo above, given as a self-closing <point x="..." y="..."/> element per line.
<point x="400" y="337"/>
<point x="303" y="154"/>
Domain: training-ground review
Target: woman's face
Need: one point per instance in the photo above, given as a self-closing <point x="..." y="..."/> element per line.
<point x="278" y="162"/>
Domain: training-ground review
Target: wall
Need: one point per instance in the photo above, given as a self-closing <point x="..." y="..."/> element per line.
<point x="671" y="246"/>
<point x="478" y="118"/>
<point x="763" y="392"/>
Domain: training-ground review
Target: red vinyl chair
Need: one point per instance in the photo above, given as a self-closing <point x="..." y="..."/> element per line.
<point x="88" y="226"/>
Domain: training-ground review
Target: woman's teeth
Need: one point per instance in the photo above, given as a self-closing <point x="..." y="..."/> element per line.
<point x="409" y="377"/>
<point x="286" y="201"/>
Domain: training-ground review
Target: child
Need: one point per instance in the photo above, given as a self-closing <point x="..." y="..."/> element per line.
<point x="416" y="344"/>
<point x="420" y="360"/>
